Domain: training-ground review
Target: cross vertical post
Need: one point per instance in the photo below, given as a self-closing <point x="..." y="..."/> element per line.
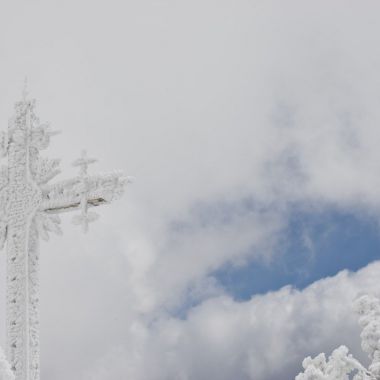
<point x="29" y="209"/>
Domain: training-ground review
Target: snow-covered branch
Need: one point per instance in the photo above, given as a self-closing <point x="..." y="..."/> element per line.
<point x="337" y="367"/>
<point x="368" y="308"/>
<point x="341" y="365"/>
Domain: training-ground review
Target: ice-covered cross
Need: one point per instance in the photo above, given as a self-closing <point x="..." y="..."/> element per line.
<point x="29" y="209"/>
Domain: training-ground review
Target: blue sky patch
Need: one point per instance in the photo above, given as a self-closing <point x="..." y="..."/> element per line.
<point x="315" y="245"/>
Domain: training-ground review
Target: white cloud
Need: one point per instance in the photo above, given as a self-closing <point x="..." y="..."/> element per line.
<point x="263" y="339"/>
<point x="236" y="108"/>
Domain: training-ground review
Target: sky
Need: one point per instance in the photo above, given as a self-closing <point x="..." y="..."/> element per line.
<point x="252" y="131"/>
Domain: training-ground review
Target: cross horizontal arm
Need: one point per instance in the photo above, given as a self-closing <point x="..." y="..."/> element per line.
<point x="67" y="195"/>
<point x="74" y="206"/>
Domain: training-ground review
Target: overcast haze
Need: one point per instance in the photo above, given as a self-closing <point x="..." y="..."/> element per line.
<point x="234" y="117"/>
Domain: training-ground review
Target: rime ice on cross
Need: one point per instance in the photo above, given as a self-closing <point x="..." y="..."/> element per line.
<point x="29" y="208"/>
